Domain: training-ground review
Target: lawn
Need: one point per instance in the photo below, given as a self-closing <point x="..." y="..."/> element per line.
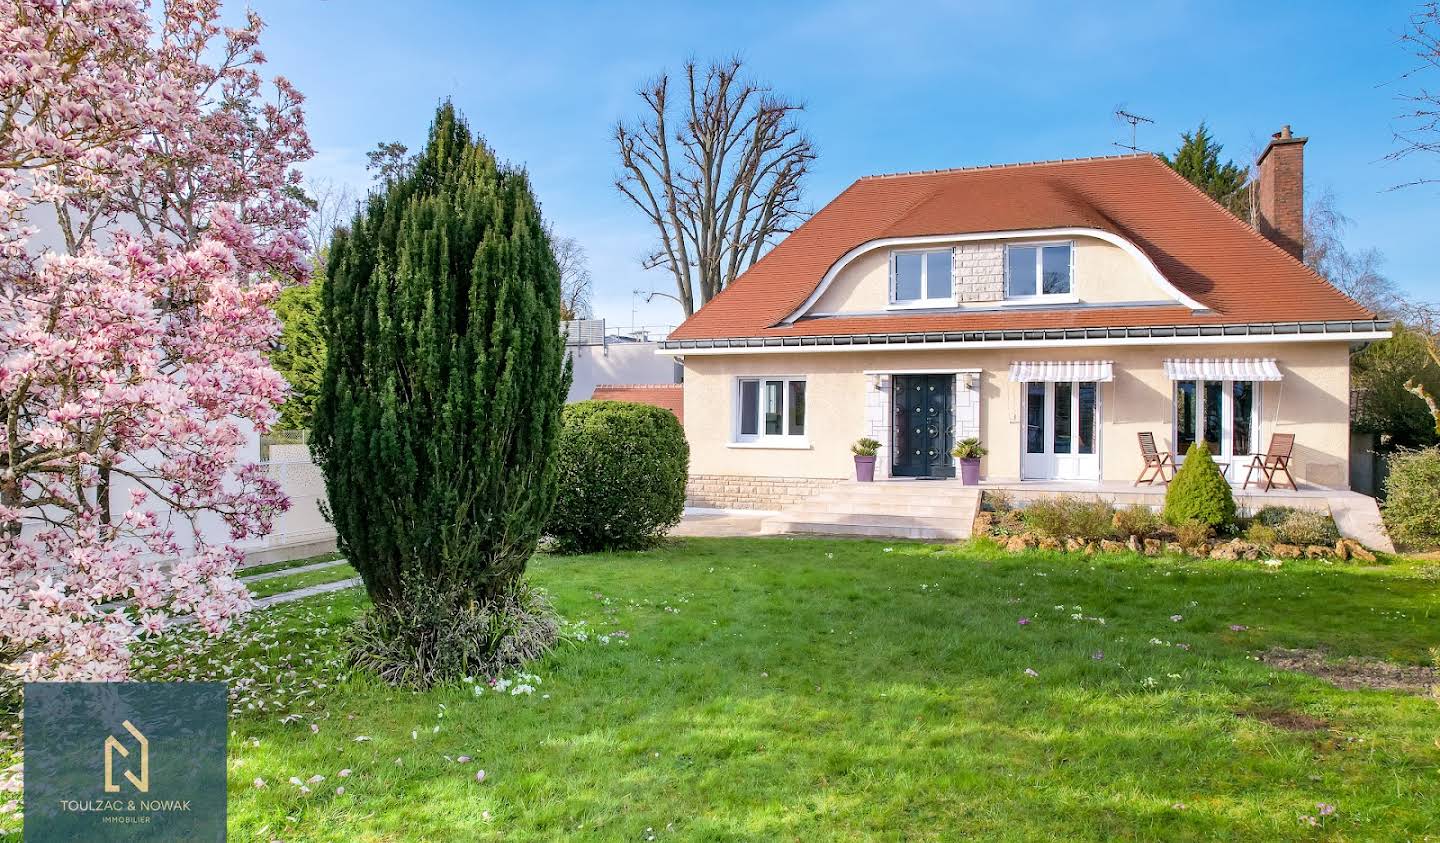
<point x="822" y="690"/>
<point x="295" y="582"/>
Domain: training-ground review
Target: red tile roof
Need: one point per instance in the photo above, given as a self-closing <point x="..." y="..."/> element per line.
<point x="667" y="396"/>
<point x="1198" y="246"/>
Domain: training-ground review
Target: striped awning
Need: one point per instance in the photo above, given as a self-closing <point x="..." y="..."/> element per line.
<point x="1064" y="370"/>
<point x="1254" y="369"/>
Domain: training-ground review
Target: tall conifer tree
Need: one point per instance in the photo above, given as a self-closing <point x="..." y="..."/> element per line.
<point x="437" y="422"/>
<point x="1198" y="161"/>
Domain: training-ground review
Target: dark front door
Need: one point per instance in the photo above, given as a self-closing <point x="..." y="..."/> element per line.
<point x="923" y="426"/>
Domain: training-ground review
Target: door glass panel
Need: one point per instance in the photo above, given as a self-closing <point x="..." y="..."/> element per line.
<point x="1063" y="391"/>
<point x="1184" y="416"/>
<point x="774" y="398"/>
<point x="1243" y="437"/>
<point x="937" y="275"/>
<point x="1213" y="410"/>
<point x="907" y="276"/>
<point x="797" y="408"/>
<point x="1035" y="418"/>
<point x="1087" y="417"/>
<point x="749" y="408"/>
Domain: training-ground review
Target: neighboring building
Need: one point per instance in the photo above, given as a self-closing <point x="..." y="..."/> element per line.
<point x="666" y="396"/>
<point x="603" y="358"/>
<point x="1053" y="309"/>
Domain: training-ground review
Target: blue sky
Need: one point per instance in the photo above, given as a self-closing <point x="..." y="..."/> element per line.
<point x="886" y="89"/>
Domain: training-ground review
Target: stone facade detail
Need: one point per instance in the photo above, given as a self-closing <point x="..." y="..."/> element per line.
<point x="978" y="272"/>
<point x="967" y="405"/>
<point x="725" y="491"/>
<point x="877" y="420"/>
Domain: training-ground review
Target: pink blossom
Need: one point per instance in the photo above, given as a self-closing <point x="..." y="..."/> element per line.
<point x="134" y="355"/>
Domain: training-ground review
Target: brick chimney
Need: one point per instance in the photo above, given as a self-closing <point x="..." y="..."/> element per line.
<point x="1280" y="194"/>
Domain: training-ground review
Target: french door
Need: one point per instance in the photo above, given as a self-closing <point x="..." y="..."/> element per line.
<point x="1224" y="415"/>
<point x="1062" y="431"/>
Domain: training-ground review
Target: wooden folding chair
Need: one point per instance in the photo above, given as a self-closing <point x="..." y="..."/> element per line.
<point x="1155" y="462"/>
<point x="1274" y="461"/>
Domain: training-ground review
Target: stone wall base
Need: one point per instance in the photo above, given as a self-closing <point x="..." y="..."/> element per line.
<point x="730" y="491"/>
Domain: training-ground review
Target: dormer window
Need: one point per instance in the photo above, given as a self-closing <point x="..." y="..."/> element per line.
<point x="921" y="278"/>
<point x="1038" y="270"/>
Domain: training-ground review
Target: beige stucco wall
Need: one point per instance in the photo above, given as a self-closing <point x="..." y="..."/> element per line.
<point x="1103" y="272"/>
<point x="1312" y="402"/>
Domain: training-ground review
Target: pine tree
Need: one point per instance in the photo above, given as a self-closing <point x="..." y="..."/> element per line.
<point x="1199" y="492"/>
<point x="439" y="414"/>
<point x="1198" y="161"/>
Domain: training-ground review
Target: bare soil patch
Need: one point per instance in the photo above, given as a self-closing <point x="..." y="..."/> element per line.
<point x="1354" y="673"/>
<point x="1290" y="721"/>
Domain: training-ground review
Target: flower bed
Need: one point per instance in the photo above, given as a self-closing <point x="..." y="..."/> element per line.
<point x="1090" y="525"/>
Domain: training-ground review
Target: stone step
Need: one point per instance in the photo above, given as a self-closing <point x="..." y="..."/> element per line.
<point x="938" y="510"/>
<point x="899" y="491"/>
<point x="951" y="520"/>
<point x="781" y="526"/>
<point x="956" y="509"/>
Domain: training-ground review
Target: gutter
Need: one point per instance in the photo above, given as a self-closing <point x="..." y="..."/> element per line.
<point x="1365" y="330"/>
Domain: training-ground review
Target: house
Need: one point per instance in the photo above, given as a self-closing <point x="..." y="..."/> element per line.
<point x="1054" y="309"/>
<point x="601" y="357"/>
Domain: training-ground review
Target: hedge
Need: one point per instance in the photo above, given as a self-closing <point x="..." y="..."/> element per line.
<point x="622" y="476"/>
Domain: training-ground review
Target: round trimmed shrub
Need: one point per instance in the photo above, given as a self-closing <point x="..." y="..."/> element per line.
<point x="622" y="476"/>
<point x="1412" y="503"/>
<point x="1199" y="492"/>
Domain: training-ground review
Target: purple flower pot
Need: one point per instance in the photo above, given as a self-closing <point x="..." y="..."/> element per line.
<point x="865" y="469"/>
<point x="970" y="472"/>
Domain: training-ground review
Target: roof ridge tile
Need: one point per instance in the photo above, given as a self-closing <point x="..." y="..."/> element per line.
<point x="1008" y="165"/>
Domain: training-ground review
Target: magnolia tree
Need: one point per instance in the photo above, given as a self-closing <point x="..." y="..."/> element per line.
<point x="149" y="210"/>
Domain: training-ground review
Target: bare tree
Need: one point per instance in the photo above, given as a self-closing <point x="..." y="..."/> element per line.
<point x="1422" y="118"/>
<point x="1356" y="274"/>
<point x="574" y="266"/>
<point x="331" y="206"/>
<point x="1422" y="134"/>
<point x="719" y="176"/>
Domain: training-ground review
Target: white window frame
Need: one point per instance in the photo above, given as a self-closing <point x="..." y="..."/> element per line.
<point x="760" y="439"/>
<point x="1039" y="247"/>
<point x="1227" y="421"/>
<point x="922" y="302"/>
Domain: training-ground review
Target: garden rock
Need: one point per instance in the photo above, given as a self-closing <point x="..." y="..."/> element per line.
<point x="1049" y="543"/>
<point x="1134" y="544"/>
<point x="1154" y="547"/>
<point x="1287" y="551"/>
<point x="1318" y="551"/>
<point x="1019" y="543"/>
<point x="1109" y="546"/>
<point x="1072" y="545"/>
<point x="1351" y="549"/>
<point x="1091" y="549"/>
<point x="1237" y="549"/>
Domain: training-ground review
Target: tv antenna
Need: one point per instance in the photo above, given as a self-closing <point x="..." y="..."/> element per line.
<point x="1134" y="120"/>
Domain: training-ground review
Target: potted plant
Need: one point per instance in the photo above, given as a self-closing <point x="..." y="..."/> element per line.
<point x="969" y="451"/>
<point x="865" y="450"/>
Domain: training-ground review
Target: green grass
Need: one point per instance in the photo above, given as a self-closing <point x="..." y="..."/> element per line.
<point x="294" y="582"/>
<point x="838" y="690"/>
<point x="270" y="567"/>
